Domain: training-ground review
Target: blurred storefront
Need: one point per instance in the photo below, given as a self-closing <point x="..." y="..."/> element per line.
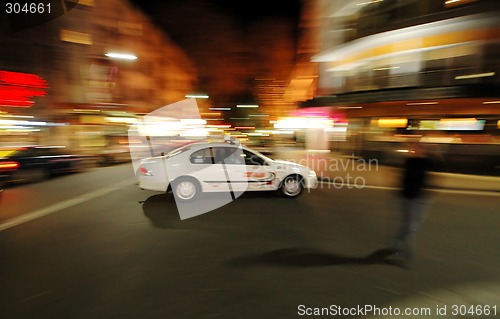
<point x="103" y="63"/>
<point x="398" y="70"/>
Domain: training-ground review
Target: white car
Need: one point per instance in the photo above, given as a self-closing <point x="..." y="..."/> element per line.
<point x="221" y="167"/>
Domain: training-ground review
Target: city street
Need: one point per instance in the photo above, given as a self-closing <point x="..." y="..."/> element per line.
<point x="86" y="246"/>
<point x="124" y="192"/>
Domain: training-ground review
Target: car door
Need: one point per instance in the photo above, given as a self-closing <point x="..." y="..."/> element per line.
<point x="204" y="169"/>
<point x="259" y="174"/>
<point x="220" y="169"/>
<point x="29" y="159"/>
<point x="233" y="167"/>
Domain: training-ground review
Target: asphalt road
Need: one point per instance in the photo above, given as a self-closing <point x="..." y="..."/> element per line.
<point x="83" y="246"/>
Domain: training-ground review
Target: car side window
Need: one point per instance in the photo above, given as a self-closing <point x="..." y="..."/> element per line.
<point x="30" y="152"/>
<point x="228" y="155"/>
<point x="41" y="152"/>
<point x="203" y="156"/>
<point x="253" y="159"/>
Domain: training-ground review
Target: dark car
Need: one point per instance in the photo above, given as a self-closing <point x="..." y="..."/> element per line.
<point x="35" y="163"/>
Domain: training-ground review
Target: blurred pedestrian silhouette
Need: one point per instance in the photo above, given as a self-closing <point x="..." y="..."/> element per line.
<point x="414" y="201"/>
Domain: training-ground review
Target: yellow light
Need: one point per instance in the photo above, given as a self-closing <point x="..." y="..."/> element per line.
<point x="374" y="1"/>
<point x="247" y="105"/>
<point x="9" y="165"/>
<point x="460" y="120"/>
<point x="121" y="119"/>
<point x="211" y="114"/>
<point x="76" y="37"/>
<point x="452" y="3"/>
<point x="386" y="68"/>
<point x="393" y="123"/>
<point x="90" y="3"/>
<point x="474" y="76"/>
<point x="491" y="102"/>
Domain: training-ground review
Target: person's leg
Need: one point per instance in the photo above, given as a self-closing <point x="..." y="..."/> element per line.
<point x="404" y="225"/>
<point x="411" y="221"/>
<point x="413" y="218"/>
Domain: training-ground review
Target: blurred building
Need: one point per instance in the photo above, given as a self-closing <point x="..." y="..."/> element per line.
<point x="380" y="45"/>
<point x="304" y="78"/>
<point x="396" y="67"/>
<point x="100" y="64"/>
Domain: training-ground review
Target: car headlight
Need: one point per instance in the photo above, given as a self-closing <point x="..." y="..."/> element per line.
<point x="312" y="173"/>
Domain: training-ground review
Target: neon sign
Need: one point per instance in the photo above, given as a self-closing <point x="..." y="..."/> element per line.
<point x="18" y="89"/>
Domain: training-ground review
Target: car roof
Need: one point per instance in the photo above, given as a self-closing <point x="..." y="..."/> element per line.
<point x="195" y="146"/>
<point x="212" y="144"/>
<point x="22" y="151"/>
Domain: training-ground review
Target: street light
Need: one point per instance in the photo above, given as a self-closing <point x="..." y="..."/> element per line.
<point x="196" y="96"/>
<point x="121" y="56"/>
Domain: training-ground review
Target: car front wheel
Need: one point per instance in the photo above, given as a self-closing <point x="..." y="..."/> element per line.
<point x="292" y="186"/>
<point x="185" y="189"/>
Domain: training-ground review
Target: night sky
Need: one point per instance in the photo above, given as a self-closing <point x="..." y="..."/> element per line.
<point x="177" y="17"/>
<point x="247" y="11"/>
<point x="243" y="11"/>
<point x="213" y="32"/>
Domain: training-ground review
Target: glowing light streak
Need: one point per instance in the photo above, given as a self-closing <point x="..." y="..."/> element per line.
<point x="121" y="56"/>
<point x="474" y="76"/>
<point x="196" y="96"/>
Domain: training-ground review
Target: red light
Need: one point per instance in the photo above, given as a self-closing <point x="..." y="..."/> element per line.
<point x="9" y="166"/>
<point x="17" y="89"/>
<point x="22" y="79"/>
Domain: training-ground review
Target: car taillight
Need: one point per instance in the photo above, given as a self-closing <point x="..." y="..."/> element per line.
<point x="9" y="166"/>
<point x="145" y="171"/>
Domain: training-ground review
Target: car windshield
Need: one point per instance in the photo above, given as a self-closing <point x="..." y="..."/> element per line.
<point x="178" y="151"/>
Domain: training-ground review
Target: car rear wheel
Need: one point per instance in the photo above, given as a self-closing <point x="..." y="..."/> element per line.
<point x="292" y="186"/>
<point x="185" y="189"/>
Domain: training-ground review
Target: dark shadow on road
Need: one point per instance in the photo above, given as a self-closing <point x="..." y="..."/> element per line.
<point x="305" y="257"/>
<point x="162" y="211"/>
